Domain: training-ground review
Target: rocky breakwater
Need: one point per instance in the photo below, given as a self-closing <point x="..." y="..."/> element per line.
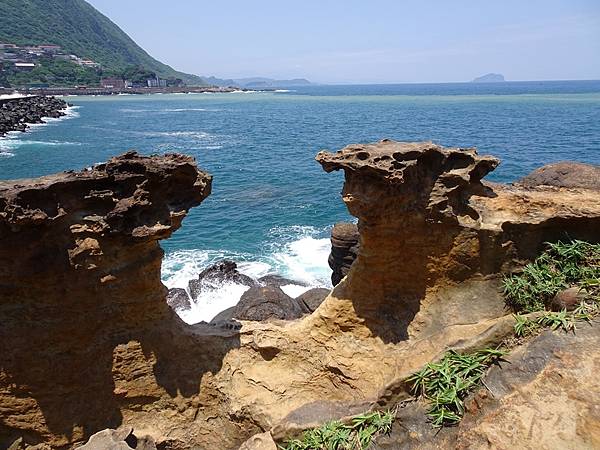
<point x="88" y="340"/>
<point x="18" y="113"/>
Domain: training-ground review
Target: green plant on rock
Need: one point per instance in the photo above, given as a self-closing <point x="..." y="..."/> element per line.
<point x="446" y="383"/>
<point x="563" y="320"/>
<point x="525" y="326"/>
<point x="561" y="266"/>
<point x="357" y="434"/>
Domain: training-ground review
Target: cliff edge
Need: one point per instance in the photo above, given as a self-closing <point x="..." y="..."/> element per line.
<point x="89" y="342"/>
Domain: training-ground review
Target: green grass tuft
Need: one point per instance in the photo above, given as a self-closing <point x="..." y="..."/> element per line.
<point x="445" y="384"/>
<point x="561" y="266"/>
<point x="355" y="435"/>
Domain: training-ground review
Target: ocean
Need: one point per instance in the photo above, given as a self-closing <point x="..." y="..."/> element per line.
<point x="272" y="206"/>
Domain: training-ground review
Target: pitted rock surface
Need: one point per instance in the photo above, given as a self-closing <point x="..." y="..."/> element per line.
<point x="88" y="341"/>
<point x="431" y="178"/>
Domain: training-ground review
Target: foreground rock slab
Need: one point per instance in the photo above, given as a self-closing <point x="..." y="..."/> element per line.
<point x="545" y="395"/>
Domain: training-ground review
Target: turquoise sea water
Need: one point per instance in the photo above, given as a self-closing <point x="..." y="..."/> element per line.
<point x="272" y="205"/>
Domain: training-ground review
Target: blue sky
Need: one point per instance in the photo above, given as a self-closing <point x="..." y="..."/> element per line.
<point x="368" y="41"/>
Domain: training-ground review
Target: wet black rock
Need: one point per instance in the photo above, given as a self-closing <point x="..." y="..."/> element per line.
<point x="178" y="299"/>
<point x="313" y="298"/>
<point x="268" y="302"/>
<point x="217" y="274"/>
<point x="225" y="315"/>
<point x="17" y="113"/>
<point x="277" y="280"/>
<point x="344" y="249"/>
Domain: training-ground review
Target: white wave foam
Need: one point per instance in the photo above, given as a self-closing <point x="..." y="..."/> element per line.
<point x="305" y="260"/>
<point x="255" y="269"/>
<point x="295" y="290"/>
<point x="188" y="134"/>
<point x="212" y="301"/>
<point x="5" y="154"/>
<point x="185" y="109"/>
<point x="11" y="96"/>
<point x="297" y="253"/>
<point x="166" y="110"/>
<point x="10" y="143"/>
<point x="300" y="253"/>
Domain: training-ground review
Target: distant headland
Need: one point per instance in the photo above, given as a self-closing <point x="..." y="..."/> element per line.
<point x="489" y="78"/>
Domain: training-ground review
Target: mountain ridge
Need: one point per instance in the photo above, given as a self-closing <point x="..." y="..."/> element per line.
<point x="257" y="82"/>
<point x="81" y="29"/>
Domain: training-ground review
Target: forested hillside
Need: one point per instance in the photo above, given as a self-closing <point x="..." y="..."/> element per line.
<point x="80" y="29"/>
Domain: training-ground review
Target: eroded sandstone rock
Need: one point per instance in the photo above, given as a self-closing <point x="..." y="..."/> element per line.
<point x="544" y="395"/>
<point x="87" y="337"/>
<point x="121" y="439"/>
<point x="89" y="343"/>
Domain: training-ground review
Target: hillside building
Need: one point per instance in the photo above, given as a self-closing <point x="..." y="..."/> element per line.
<point x="24" y="66"/>
<point x="113" y="83"/>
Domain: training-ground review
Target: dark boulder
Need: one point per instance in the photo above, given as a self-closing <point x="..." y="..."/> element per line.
<point x="268" y="302"/>
<point x="277" y="280"/>
<point x="313" y="298"/>
<point x="178" y="299"/>
<point x="568" y="299"/>
<point x="225" y="315"/>
<point x="217" y="274"/>
<point x="564" y="174"/>
<point x="344" y="249"/>
<point x="17" y="113"/>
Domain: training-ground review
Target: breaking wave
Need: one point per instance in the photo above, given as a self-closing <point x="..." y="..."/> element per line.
<point x="298" y="253"/>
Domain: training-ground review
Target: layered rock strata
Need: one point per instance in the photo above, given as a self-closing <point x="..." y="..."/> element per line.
<point x="86" y="332"/>
<point x="545" y="394"/>
<point x="91" y="342"/>
<point x="344" y="249"/>
<point x="18" y="113"/>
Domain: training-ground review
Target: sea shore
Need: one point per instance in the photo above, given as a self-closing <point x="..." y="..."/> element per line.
<point x="17" y="114"/>
<point x="133" y="91"/>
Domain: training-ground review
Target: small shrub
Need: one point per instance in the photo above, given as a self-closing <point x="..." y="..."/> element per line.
<point x="446" y="383"/>
<point x="524" y="326"/>
<point x="561" y="266"/>
<point x="355" y="435"/>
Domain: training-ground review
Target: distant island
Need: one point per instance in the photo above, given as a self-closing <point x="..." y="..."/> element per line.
<point x="490" y="78"/>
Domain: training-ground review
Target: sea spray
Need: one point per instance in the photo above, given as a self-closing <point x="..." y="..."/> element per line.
<point x="296" y="253"/>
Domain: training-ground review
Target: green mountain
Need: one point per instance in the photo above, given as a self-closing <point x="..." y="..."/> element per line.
<point x="79" y="29"/>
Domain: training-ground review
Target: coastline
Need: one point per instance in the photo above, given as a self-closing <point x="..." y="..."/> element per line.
<point x="130" y="91"/>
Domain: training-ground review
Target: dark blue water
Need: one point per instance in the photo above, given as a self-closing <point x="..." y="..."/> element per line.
<point x="272" y="205"/>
